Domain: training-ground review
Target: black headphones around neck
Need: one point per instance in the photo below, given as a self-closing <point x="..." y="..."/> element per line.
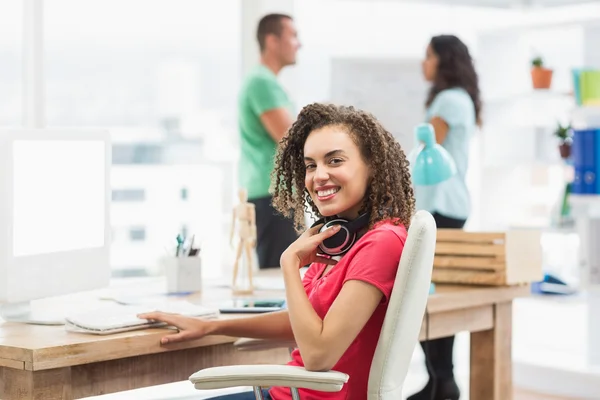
<point x="342" y="241"/>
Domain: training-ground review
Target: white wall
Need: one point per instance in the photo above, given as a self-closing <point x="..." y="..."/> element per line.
<point x="374" y="29"/>
<point x="515" y="146"/>
<point x="383" y="29"/>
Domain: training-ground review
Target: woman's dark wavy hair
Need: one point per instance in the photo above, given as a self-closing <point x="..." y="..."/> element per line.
<point x="455" y="69"/>
<point x="389" y="194"/>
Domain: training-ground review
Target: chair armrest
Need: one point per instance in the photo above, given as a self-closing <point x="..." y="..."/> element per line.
<point x="246" y="344"/>
<point x="267" y="376"/>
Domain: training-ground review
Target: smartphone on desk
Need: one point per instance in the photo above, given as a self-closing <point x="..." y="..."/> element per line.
<point x="251" y="306"/>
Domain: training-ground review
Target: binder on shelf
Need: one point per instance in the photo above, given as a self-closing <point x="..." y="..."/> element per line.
<point x="586" y="86"/>
<point x="575" y="75"/>
<point x="585" y="154"/>
<point x="597" y="151"/>
<point x="590" y="87"/>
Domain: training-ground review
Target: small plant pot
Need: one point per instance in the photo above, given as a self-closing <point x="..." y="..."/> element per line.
<point x="565" y="150"/>
<point x="541" y="77"/>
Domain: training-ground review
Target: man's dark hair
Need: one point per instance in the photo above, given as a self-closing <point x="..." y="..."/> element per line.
<point x="270" y="24"/>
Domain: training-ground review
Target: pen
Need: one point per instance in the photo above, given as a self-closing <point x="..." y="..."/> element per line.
<point x="191" y="246"/>
<point x="179" y="249"/>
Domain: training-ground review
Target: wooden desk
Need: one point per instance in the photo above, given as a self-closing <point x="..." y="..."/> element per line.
<point x="486" y="312"/>
<point x="44" y="362"/>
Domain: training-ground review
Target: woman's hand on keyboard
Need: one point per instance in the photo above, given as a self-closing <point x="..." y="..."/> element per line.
<point x="188" y="328"/>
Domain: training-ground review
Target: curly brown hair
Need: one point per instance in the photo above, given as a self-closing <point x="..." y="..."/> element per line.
<point x="390" y="194"/>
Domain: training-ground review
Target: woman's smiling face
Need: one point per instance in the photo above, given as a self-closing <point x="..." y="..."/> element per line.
<point x="336" y="174"/>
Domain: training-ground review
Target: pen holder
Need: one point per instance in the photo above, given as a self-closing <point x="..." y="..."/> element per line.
<point x="184" y="274"/>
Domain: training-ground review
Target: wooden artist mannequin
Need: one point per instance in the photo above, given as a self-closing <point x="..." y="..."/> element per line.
<point x="244" y="216"/>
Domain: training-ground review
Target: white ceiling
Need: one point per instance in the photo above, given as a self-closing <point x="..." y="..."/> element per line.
<point x="504" y="3"/>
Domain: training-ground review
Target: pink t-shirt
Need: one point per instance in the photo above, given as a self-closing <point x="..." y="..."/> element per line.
<point x="373" y="259"/>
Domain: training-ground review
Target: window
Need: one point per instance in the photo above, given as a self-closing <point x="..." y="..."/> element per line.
<point x="137" y="234"/>
<point x="387" y="30"/>
<point x="162" y="76"/>
<point x="128" y="195"/>
<point x="11" y="98"/>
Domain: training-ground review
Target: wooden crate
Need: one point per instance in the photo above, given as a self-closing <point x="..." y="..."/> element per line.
<point x="487" y="258"/>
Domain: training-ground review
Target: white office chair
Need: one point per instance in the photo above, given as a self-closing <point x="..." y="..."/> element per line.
<point x="399" y="334"/>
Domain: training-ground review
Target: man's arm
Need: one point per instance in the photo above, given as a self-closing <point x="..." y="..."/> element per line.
<point x="276" y="121"/>
<point x="269" y="101"/>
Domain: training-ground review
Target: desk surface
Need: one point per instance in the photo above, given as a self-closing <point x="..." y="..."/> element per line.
<point x="36" y="347"/>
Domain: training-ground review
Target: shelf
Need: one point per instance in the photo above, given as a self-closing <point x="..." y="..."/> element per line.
<point x="585" y="205"/>
<point x="531" y="95"/>
<point x="585" y="199"/>
<point x="585" y="117"/>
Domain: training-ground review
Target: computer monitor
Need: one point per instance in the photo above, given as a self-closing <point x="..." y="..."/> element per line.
<point x="54" y="218"/>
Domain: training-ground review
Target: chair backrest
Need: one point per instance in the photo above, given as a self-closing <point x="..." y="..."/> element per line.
<point x="406" y="308"/>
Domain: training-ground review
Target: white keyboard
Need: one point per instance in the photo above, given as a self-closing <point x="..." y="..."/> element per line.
<point x="121" y="318"/>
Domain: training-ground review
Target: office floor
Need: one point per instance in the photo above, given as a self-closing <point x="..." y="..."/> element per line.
<point x="525" y="395"/>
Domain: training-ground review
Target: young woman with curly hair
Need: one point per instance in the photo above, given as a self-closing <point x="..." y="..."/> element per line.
<point x="339" y="162"/>
<point x="454" y="109"/>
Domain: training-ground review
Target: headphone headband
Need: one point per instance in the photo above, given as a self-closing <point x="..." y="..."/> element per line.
<point x="357" y="224"/>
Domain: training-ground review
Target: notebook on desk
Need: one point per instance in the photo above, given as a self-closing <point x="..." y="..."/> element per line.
<point x="122" y="318"/>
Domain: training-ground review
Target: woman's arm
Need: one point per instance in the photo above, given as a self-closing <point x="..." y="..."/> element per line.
<point x="322" y="342"/>
<point x="275" y="325"/>
<point x="369" y="276"/>
<point x="441" y="129"/>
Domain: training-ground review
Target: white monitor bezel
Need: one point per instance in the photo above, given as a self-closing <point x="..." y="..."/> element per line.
<point x="46" y="275"/>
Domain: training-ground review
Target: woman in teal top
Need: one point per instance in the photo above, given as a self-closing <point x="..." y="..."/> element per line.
<point x="453" y="108"/>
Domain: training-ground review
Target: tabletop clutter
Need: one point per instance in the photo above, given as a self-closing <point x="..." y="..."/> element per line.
<point x="183" y="269"/>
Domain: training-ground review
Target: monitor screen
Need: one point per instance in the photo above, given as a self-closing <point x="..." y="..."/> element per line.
<point x="58" y="195"/>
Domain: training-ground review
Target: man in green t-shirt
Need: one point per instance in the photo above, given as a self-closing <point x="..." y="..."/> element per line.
<point x="265" y="114"/>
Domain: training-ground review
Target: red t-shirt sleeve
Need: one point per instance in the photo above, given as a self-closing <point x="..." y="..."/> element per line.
<point x="376" y="260"/>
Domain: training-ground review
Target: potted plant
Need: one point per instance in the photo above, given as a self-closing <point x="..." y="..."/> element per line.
<point x="541" y="77"/>
<point x="565" y="137"/>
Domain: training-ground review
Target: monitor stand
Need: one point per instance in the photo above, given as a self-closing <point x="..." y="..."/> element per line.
<point x="25" y="313"/>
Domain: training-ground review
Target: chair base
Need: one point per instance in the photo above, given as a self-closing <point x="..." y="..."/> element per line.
<point x="258" y="393"/>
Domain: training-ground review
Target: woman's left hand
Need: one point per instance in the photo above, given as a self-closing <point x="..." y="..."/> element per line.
<point x="304" y="249"/>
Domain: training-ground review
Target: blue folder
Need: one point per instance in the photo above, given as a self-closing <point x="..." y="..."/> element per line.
<point x="585" y="155"/>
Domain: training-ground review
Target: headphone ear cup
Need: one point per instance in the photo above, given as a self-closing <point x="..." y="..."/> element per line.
<point x="345" y="238"/>
<point x="338" y="244"/>
<point x="337" y="240"/>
